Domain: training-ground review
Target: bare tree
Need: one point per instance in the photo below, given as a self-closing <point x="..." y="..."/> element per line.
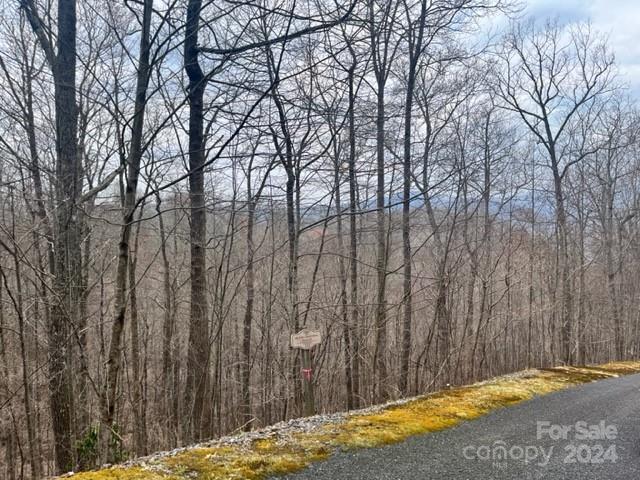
<point x="381" y="21"/>
<point x="554" y="78"/>
<point x="61" y="58"/>
<point x="197" y="386"/>
<point x="133" y="161"/>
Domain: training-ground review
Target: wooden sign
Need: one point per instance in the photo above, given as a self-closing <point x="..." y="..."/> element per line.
<point x="306" y="339"/>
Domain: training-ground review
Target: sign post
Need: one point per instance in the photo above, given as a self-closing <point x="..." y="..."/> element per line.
<point x="305" y="340"/>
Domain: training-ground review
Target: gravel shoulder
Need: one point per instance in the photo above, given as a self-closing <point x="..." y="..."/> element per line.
<point x="421" y="443"/>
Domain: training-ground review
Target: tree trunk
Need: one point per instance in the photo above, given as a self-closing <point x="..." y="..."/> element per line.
<point x="110" y="441"/>
<point x="380" y="363"/>
<point x="565" y="277"/>
<point x="18" y="305"/>
<point x="65" y="266"/>
<point x="140" y="423"/>
<point x="353" y="241"/>
<point x="170" y="395"/>
<point x="248" y="313"/>
<point x="407" y="297"/>
<point x="344" y="314"/>
<point x="197" y="384"/>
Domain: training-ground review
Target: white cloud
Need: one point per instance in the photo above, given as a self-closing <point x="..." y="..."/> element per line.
<point x="618" y="19"/>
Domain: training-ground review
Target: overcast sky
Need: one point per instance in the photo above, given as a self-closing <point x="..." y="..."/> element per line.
<point x="618" y="19"/>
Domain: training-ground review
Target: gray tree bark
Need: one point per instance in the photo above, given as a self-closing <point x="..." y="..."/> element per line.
<point x="197" y="383"/>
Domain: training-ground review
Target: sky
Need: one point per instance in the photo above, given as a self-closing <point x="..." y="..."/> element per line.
<point x="618" y="19"/>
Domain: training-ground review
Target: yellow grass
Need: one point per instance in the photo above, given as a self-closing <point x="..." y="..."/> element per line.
<point x="285" y="454"/>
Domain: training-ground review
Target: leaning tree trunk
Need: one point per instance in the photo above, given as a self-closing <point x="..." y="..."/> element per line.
<point x="110" y="441"/>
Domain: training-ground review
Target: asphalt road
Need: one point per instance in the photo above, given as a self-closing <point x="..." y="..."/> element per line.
<point x="590" y="432"/>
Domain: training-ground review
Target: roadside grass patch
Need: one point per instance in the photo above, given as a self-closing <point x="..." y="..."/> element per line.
<point x="265" y="458"/>
<point x="122" y="473"/>
<point x="286" y="452"/>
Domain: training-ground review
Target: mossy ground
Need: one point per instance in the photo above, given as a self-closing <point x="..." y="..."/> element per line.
<point x="279" y="455"/>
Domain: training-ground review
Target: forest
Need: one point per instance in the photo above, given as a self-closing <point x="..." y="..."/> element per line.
<point x="447" y="190"/>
